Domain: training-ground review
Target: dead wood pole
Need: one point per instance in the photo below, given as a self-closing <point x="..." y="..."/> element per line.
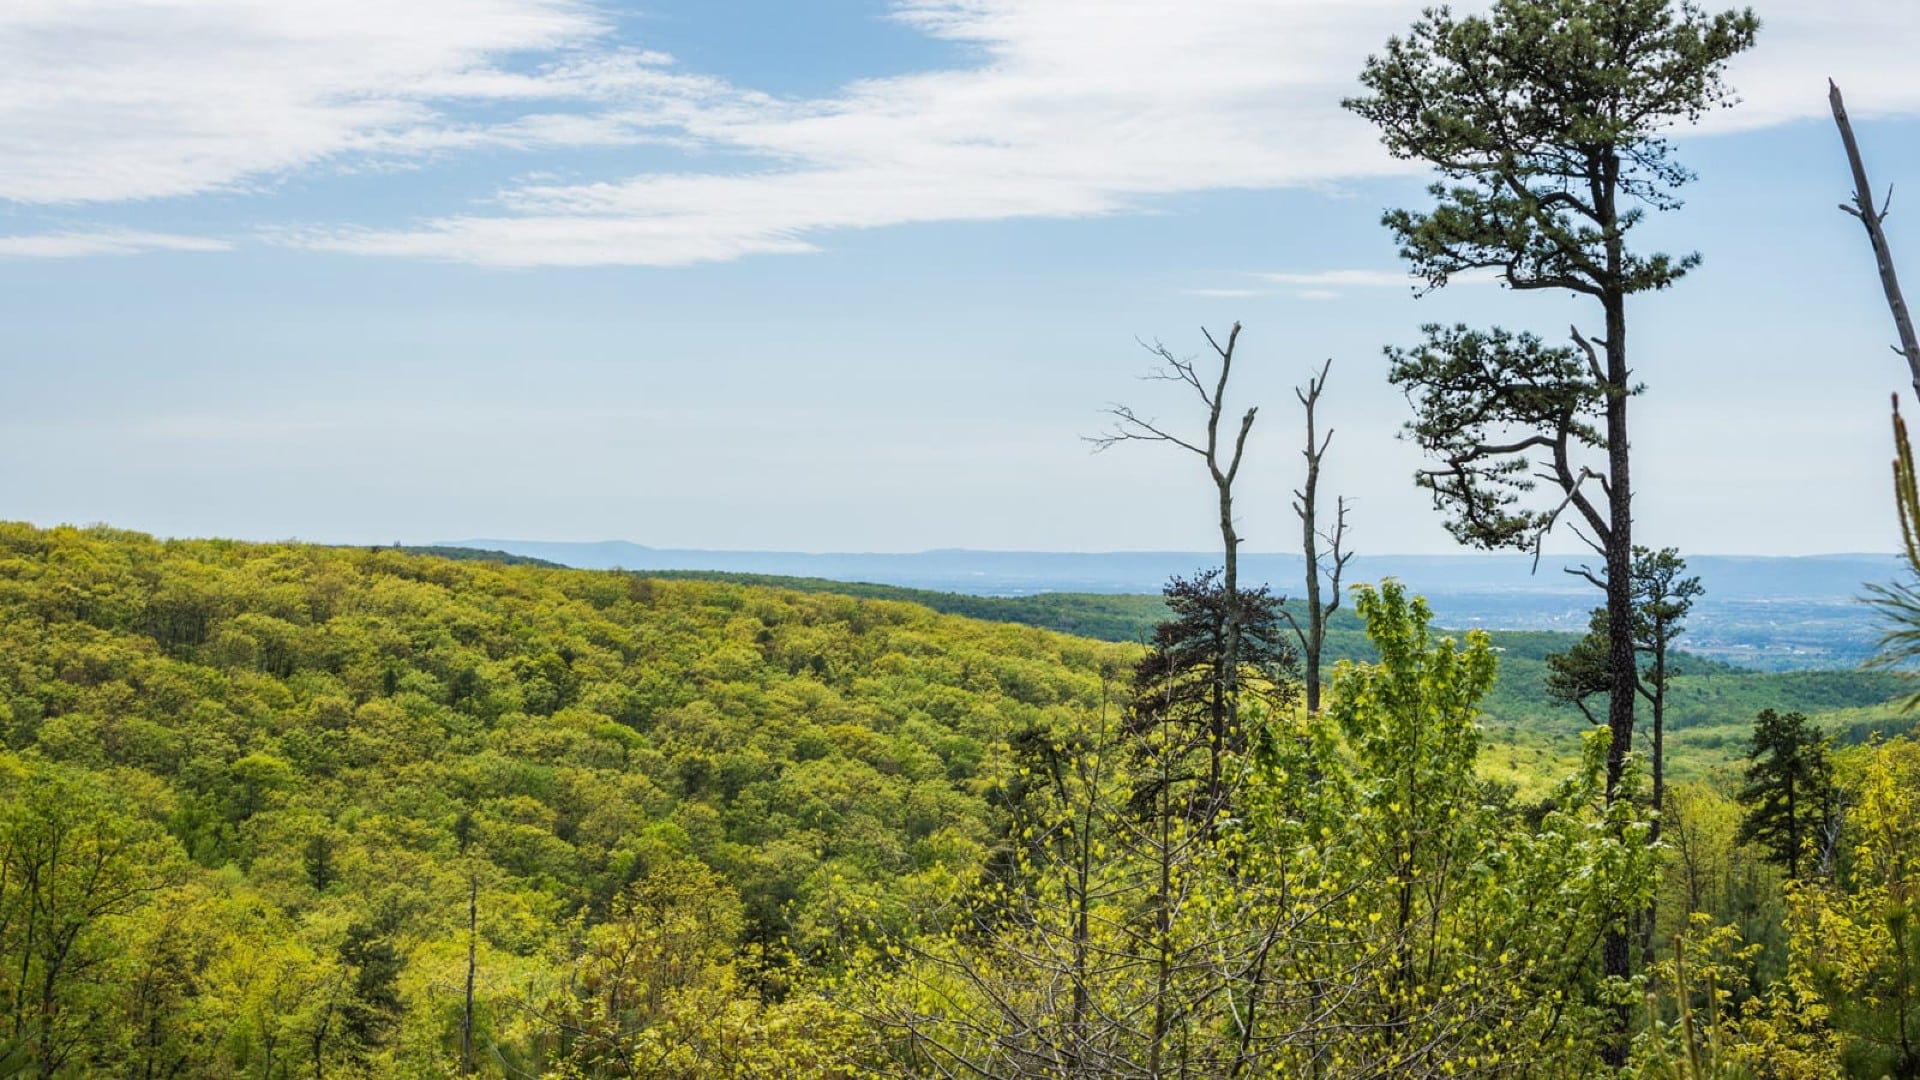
<point x="1871" y="218"/>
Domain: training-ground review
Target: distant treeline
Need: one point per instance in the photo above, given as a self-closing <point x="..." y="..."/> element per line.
<point x="1708" y="694"/>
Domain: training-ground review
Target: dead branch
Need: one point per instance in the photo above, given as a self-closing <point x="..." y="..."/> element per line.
<point x="1540" y="535"/>
<point x="1871" y="219"/>
<point x="1586" y="572"/>
<point x="1319" y="568"/>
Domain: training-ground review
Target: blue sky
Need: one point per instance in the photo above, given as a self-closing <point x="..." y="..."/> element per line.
<point x="844" y="275"/>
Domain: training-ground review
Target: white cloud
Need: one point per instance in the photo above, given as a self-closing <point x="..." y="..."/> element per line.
<point x="1326" y="284"/>
<point x="1867" y="45"/>
<point x="1364" y="279"/>
<point x="115" y="100"/>
<point x="1065" y="108"/>
<point x="1075" y="108"/>
<point x="67" y="245"/>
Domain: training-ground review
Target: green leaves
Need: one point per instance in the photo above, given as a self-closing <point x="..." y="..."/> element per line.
<point x="345" y="741"/>
<point x="1498" y="411"/>
<point x="1367" y="911"/>
<point x="1546" y="121"/>
<point x="1552" y="113"/>
<point x="76" y="858"/>
<point x="1789" y="793"/>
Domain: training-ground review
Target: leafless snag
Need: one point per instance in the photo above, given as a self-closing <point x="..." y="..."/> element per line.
<point x="1223" y="466"/>
<point x="1871" y="219"/>
<point x="1320" y="568"/>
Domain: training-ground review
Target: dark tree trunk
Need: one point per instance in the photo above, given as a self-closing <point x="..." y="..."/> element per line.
<point x="1622" y="659"/>
<point x="1318" y="638"/>
<point x="1222" y="468"/>
<point x="1793" y="827"/>
<point x="1659" y="779"/>
<point x="473" y="940"/>
<point x="1227" y="707"/>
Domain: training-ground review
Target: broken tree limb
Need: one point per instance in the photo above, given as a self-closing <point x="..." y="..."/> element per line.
<point x="1871" y="219"/>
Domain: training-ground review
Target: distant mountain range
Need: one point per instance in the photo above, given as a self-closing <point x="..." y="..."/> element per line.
<point x="1765" y="611"/>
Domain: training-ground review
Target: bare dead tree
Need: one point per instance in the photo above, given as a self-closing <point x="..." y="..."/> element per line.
<point x="1871" y="218"/>
<point x="1899" y="603"/>
<point x="1222" y="456"/>
<point x="1320" y="568"/>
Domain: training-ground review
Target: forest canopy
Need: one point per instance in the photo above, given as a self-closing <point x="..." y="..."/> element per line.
<point x="276" y="810"/>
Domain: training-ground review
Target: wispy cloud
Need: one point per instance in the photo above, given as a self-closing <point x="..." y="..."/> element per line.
<point x="1350" y="279"/>
<point x="120" y="100"/>
<point x="1072" y="108"/>
<point x="1079" y="108"/>
<point x="1224" y="294"/>
<point x="1865" y="44"/>
<point x="1370" y="279"/>
<point x="68" y="245"/>
<point x="1329" y="284"/>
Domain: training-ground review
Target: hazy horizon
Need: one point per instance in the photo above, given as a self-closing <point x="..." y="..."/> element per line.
<point x="372" y="540"/>
<point x="641" y="268"/>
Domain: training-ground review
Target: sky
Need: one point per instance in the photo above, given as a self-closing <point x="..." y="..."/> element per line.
<point x="850" y="275"/>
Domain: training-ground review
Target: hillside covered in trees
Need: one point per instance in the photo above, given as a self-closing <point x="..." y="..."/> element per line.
<point x="284" y="810"/>
<point x="276" y="810"/>
<point x="1710" y="708"/>
<point x="292" y="765"/>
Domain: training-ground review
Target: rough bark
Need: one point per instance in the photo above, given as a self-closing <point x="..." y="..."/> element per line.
<point x="466" y="1019"/>
<point x="1616" y="953"/>
<point x="1222" y="451"/>
<point x="1306" y="501"/>
<point x="1871" y="219"/>
<point x="1223" y="478"/>
<point x="1622" y="658"/>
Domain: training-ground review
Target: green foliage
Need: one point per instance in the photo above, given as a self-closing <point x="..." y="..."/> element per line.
<point x="1369" y="913"/>
<point x="1584" y="669"/>
<point x="1699" y="1027"/>
<point x="1185" y="711"/>
<point x="1665" y="594"/>
<point x="504" y="558"/>
<point x="1789" y="791"/>
<point x="1709" y="713"/>
<point x="1470" y="389"/>
<point x="1856" y="937"/>
<point x="311" y="750"/>
<point x="1548" y="121"/>
<point x="656" y="994"/>
<point x="714" y="830"/>
<point x="1709" y="706"/>
<point x="1899" y="602"/>
<point x="1540" y="112"/>
<point x="1127" y="617"/>
<point x="1847" y="1002"/>
<point x="1709" y="872"/>
<point x="77" y="859"/>
<point x="1488" y="922"/>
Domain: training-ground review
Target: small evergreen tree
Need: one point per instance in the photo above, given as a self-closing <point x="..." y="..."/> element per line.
<point x="1183" y="694"/>
<point x="1789" y="793"/>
